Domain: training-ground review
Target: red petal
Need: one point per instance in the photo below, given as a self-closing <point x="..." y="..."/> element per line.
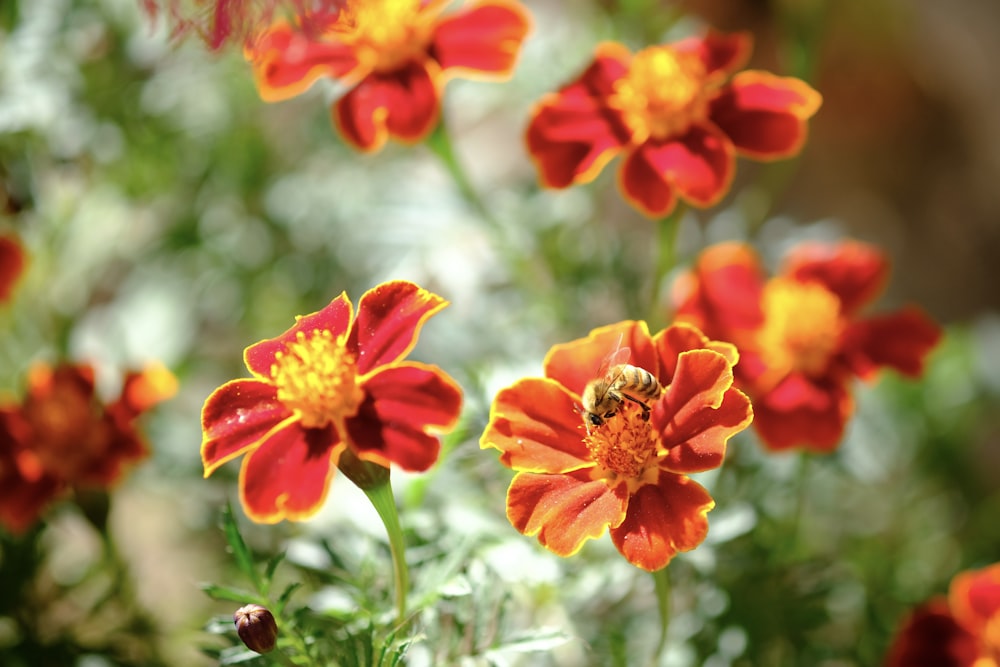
<point x="699" y="412"/>
<point x="765" y="115"/>
<point x="643" y="186"/>
<point x="900" y="341"/>
<point x="682" y="337"/>
<point x="699" y="165"/>
<point x="572" y="134"/>
<point x="235" y="418"/>
<point x="12" y="263"/>
<point x="663" y="519"/>
<point x="974" y="597"/>
<point x="484" y="39"/>
<point x="931" y="636"/>
<point x="855" y="272"/>
<point x="286" y="62"/>
<point x="723" y="293"/>
<point x="722" y="54"/>
<point x="402" y="103"/>
<point x="288" y="476"/>
<point x="802" y="413"/>
<point x="564" y="510"/>
<point x="537" y="428"/>
<point x="403" y="402"/>
<point x="388" y="323"/>
<point x="336" y="317"/>
<point x="576" y="363"/>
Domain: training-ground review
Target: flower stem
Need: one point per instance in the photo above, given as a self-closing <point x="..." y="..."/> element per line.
<point x="661" y="579"/>
<point x="440" y="142"/>
<point x="381" y="497"/>
<point x="666" y="256"/>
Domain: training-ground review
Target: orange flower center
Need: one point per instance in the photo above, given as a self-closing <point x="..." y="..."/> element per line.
<point x="624" y="448"/>
<point x="662" y="94"/>
<point x="385" y="33"/>
<point x="802" y="327"/>
<point x="315" y="377"/>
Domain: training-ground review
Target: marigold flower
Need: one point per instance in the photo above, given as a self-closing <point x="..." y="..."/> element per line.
<point x="62" y="436"/>
<point x="630" y="474"/>
<point x="12" y="263"/>
<point x="393" y="56"/>
<point x="331" y="382"/>
<point x="675" y="115"/>
<point x="962" y="630"/>
<point x="801" y="334"/>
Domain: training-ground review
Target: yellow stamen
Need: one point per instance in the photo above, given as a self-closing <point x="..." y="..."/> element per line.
<point x="802" y="327"/>
<point x="315" y="377"/>
<point x="624" y="448"/>
<point x="385" y="33"/>
<point x="663" y="93"/>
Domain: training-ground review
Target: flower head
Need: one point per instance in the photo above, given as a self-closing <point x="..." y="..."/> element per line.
<point x="62" y="436"/>
<point x="801" y="334"/>
<point x="393" y="56"/>
<point x="12" y="263"/>
<point x="960" y="631"/>
<point x="675" y="114"/>
<point x="630" y="474"/>
<point x="256" y="627"/>
<point x="334" y="381"/>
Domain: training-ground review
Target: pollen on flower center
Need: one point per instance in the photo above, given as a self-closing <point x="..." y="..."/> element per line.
<point x="624" y="448"/>
<point x="385" y="33"/>
<point x="802" y="326"/>
<point x="662" y="94"/>
<point x="315" y="377"/>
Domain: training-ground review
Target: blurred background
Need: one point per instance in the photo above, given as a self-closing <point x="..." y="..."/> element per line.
<point x="169" y="214"/>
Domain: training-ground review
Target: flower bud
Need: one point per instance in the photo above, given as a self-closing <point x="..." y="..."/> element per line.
<point x="256" y="627"/>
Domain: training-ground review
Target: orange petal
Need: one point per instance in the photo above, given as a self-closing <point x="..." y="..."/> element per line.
<point x="577" y="362"/>
<point x="564" y="510"/>
<point x="974" y="598"/>
<point x="722" y="294"/>
<point x="537" y="427"/>
<point x="662" y="519"/>
<point x="144" y="389"/>
<point x="681" y="337"/>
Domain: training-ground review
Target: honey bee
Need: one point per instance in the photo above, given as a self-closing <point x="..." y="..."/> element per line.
<point x="619" y="381"/>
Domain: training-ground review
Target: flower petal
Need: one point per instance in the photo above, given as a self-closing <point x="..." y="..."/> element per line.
<point x="576" y="363"/>
<point x="643" y="186"/>
<point x="721" y="53"/>
<point x="572" y="134"/>
<point x="662" y="519"/>
<point x="765" y="115"/>
<point x="723" y="292"/>
<point x="336" y="317"/>
<point x="402" y="103"/>
<point x="932" y="636"/>
<point x="802" y="413"/>
<point x="537" y="428"/>
<point x="681" y="337"/>
<point x="403" y="403"/>
<point x="564" y="510"/>
<point x="388" y="323"/>
<point x="141" y="390"/>
<point x="286" y="62"/>
<point x="974" y="598"/>
<point x="483" y="40"/>
<point x="288" y="476"/>
<point x="699" y="412"/>
<point x="855" y="272"/>
<point x="12" y="263"/>
<point x="235" y="418"/>
<point x="901" y="341"/>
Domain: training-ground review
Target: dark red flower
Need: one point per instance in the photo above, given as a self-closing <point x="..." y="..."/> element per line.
<point x="12" y="263"/>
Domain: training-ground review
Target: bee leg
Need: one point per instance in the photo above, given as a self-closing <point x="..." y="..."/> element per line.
<point x="645" y="412"/>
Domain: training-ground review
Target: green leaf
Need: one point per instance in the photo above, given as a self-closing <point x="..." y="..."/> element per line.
<point x="233" y="594"/>
<point x="241" y="553"/>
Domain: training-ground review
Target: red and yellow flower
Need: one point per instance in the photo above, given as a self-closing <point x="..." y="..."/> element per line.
<point x="801" y="335"/>
<point x="630" y="474"/>
<point x="335" y="381"/>
<point x="62" y="436"/>
<point x="675" y="115"/>
<point x="962" y="630"/>
<point x="12" y="263"/>
<point x="393" y="56"/>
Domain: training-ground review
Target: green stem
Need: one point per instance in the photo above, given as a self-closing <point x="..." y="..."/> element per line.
<point x="440" y="142"/>
<point x="661" y="579"/>
<point x="385" y="504"/>
<point x="666" y="256"/>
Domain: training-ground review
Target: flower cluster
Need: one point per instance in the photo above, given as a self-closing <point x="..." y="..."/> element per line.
<point x="393" y="57"/>
<point x="333" y="382"/>
<point x="61" y="436"/>
<point x="801" y="334"/>
<point x="962" y="630"/>
<point x="675" y="115"/>
<point x="629" y="474"/>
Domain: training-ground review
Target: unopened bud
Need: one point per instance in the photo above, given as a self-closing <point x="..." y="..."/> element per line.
<point x="256" y="627"/>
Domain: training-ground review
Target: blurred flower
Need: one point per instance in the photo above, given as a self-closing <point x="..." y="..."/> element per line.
<point x="218" y="22"/>
<point x="256" y="627"/>
<point x="12" y="262"/>
<point x="630" y="473"/>
<point x="330" y="383"/>
<point x="960" y="631"/>
<point x="800" y="334"/>
<point x="672" y="113"/>
<point x="61" y="436"/>
<point x="393" y="56"/>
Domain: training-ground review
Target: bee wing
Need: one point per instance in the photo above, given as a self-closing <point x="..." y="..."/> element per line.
<point x="618" y="356"/>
